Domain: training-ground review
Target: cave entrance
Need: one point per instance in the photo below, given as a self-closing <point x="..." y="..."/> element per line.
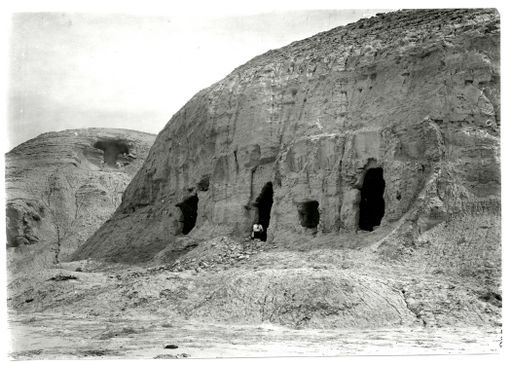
<point x="188" y="209"/>
<point x="371" y="206"/>
<point x="309" y="216"/>
<point x="264" y="205"/>
<point x="112" y="150"/>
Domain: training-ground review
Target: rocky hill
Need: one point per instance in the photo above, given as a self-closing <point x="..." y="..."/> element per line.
<point x="369" y="154"/>
<point x="388" y="124"/>
<point x="62" y="186"/>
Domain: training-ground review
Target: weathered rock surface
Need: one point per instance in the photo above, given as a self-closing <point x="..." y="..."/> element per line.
<point x="414" y="93"/>
<point x="226" y="281"/>
<point x="62" y="186"/>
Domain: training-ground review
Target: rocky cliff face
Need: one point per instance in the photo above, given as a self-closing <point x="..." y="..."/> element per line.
<point x="62" y="186"/>
<point x="390" y="123"/>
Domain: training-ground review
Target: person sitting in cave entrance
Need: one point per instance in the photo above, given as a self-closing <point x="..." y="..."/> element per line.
<point x="257" y="231"/>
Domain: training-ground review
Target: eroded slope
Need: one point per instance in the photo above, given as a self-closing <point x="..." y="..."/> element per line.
<point x="413" y="94"/>
<point x="62" y="186"/>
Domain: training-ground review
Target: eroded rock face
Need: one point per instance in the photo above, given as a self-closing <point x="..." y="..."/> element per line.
<point x="414" y="93"/>
<point x="62" y="186"/>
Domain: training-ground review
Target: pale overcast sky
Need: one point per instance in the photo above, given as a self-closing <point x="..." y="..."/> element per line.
<point x="125" y="71"/>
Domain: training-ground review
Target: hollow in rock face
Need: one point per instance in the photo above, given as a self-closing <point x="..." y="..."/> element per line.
<point x="371" y="206"/>
<point x="112" y="150"/>
<point x="264" y="205"/>
<point x="309" y="216"/>
<point x="189" y="213"/>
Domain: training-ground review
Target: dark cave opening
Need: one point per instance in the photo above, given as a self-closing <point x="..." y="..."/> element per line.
<point x="309" y="216"/>
<point x="264" y="204"/>
<point x="112" y="150"/>
<point x="371" y="206"/>
<point x="188" y="209"/>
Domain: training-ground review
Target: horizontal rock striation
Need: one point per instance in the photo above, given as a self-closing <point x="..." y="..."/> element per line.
<point x="61" y="186"/>
<point x="411" y="95"/>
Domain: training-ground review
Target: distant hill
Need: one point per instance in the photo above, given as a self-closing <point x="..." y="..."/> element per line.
<point x="61" y="186"/>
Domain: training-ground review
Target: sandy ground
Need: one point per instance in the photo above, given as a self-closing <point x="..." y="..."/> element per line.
<point x="47" y="336"/>
<point x="205" y="306"/>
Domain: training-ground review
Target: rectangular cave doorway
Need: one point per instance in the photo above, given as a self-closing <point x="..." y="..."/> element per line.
<point x="263" y="205"/>
<point x="371" y="205"/>
<point x="188" y="217"/>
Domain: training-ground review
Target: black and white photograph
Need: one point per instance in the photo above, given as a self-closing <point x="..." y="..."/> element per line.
<point x="215" y="182"/>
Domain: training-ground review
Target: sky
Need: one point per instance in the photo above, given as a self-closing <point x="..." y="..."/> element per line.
<point x="78" y="70"/>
